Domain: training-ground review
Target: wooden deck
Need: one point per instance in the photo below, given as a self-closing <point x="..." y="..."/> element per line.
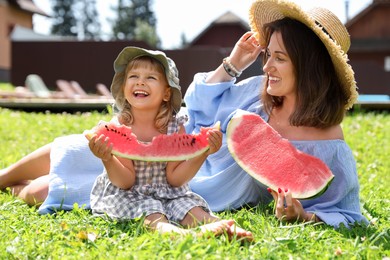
<point x="100" y="103"/>
<point x="57" y="104"/>
<point x="373" y="102"/>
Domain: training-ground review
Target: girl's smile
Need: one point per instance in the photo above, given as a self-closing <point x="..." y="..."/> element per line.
<point x="140" y="93"/>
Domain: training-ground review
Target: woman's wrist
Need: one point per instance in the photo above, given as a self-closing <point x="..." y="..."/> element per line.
<point x="217" y="76"/>
<point x="230" y="69"/>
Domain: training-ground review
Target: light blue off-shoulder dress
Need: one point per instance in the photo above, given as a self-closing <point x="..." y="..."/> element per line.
<point x="222" y="182"/>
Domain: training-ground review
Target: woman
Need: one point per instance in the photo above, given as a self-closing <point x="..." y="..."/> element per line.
<point x="306" y="89"/>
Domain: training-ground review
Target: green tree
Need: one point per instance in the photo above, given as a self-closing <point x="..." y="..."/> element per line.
<point x="64" y="20"/>
<point x="144" y="32"/>
<point x="135" y="21"/>
<point x="75" y="18"/>
<point x="184" y="41"/>
<point x="88" y="18"/>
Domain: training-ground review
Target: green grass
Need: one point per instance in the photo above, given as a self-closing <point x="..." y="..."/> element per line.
<point x="6" y="86"/>
<point x="79" y="235"/>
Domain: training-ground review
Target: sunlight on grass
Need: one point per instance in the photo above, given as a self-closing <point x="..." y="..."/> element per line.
<point x="78" y="234"/>
<point x="6" y="86"/>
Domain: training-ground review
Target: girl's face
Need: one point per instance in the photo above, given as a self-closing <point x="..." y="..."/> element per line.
<point x="146" y="87"/>
<point x="279" y="69"/>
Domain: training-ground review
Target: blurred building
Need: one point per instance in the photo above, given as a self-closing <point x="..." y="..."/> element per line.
<point x="90" y="62"/>
<point x="370" y="48"/>
<point x="222" y="32"/>
<point x="13" y="13"/>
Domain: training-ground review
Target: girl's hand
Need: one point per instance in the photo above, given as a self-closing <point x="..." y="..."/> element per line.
<point x="245" y="51"/>
<point x="101" y="147"/>
<point x="288" y="208"/>
<point x="215" y="140"/>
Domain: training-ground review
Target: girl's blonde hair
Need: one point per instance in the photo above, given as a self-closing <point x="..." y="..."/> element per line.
<point x="165" y="113"/>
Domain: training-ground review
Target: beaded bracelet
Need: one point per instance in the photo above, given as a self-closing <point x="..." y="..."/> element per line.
<point x="230" y="69"/>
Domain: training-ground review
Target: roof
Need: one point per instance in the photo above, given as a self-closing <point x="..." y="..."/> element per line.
<point x="365" y="11"/>
<point x="20" y="33"/>
<point x="227" y="18"/>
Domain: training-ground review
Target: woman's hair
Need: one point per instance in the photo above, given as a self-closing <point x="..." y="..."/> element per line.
<point x="165" y="113"/>
<point x="320" y="99"/>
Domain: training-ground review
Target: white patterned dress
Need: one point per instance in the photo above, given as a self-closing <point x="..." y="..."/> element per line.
<point x="150" y="194"/>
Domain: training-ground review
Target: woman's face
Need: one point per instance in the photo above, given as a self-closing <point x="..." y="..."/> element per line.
<point x="279" y="69"/>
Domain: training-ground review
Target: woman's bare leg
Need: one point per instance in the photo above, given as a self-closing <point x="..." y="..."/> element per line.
<point x="28" y="178"/>
<point x="34" y="193"/>
<point x="30" y="167"/>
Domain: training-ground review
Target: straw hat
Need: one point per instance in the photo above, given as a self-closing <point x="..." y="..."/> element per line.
<point x="323" y="23"/>
<point x="130" y="53"/>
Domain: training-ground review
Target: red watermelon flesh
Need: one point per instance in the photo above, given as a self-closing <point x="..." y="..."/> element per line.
<point x="273" y="160"/>
<point x="174" y="147"/>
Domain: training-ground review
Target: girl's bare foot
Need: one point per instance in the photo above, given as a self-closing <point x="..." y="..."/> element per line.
<point x="216" y="228"/>
<point x="228" y="226"/>
<point x="211" y="230"/>
<point x="239" y="233"/>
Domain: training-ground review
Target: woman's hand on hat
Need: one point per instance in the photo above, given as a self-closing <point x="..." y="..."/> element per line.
<point x="245" y="51"/>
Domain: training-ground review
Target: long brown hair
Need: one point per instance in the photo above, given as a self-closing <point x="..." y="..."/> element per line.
<point x="165" y="113"/>
<point x="320" y="98"/>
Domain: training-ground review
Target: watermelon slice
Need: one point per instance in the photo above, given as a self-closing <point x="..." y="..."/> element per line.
<point x="273" y="160"/>
<point x="174" y="147"/>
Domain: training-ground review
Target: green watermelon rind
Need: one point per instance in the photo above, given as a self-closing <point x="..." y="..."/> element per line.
<point x="161" y="158"/>
<point x="233" y="124"/>
<point x="321" y="191"/>
<point x="155" y="158"/>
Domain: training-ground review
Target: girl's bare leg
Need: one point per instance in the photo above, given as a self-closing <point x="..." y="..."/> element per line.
<point x="197" y="216"/>
<point x="153" y="221"/>
<point x="30" y="167"/>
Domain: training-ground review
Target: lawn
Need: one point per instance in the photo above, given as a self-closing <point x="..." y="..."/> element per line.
<point x="77" y="234"/>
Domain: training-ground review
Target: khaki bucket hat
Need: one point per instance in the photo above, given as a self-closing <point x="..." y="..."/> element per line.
<point x="130" y="53"/>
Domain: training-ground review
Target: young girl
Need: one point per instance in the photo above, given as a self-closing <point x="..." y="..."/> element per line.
<point x="147" y="93"/>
